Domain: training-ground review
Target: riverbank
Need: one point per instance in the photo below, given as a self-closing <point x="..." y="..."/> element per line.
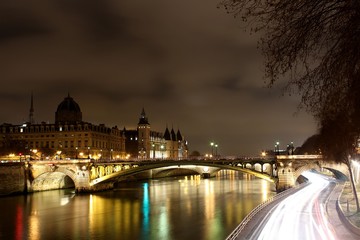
<point x="348" y="205"/>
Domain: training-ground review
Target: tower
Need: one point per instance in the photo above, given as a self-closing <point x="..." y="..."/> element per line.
<point x="143" y="136"/>
<point x="31" y="112"/>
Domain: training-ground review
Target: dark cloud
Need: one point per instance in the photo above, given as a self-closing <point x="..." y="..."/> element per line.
<point x="188" y="63"/>
<point x="231" y="84"/>
<point x="17" y="25"/>
<point x="98" y="18"/>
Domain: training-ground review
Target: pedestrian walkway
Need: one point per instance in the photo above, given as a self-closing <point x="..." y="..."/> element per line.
<point x="336" y="218"/>
<point x="348" y="207"/>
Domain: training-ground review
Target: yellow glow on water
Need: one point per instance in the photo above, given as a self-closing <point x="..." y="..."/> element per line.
<point x="34" y="228"/>
<point x="264" y="190"/>
<point x="91" y="211"/>
<point x="209" y="199"/>
<point x="155" y="209"/>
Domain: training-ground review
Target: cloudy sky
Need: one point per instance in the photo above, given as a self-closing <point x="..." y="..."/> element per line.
<point x="188" y="63"/>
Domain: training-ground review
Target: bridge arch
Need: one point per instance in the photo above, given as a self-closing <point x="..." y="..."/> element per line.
<point x="173" y="172"/>
<point x="202" y="168"/>
<point x="304" y="168"/>
<point x="340" y="170"/>
<point x="57" y="178"/>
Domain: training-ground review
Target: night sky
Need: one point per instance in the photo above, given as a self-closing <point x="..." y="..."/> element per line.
<point x="188" y="63"/>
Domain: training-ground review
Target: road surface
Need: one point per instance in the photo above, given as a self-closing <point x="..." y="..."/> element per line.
<point x="302" y="215"/>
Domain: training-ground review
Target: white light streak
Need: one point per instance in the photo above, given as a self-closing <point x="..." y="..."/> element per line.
<point x="301" y="215"/>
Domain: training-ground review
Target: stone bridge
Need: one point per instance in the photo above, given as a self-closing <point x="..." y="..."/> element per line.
<point x="90" y="175"/>
<point x="290" y="167"/>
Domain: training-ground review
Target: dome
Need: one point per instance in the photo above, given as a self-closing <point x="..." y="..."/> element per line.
<point x="68" y="111"/>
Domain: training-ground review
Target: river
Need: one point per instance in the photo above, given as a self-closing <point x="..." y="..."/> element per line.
<point x="186" y="207"/>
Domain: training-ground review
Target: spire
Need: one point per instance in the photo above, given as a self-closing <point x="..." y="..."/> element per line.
<point x="179" y="136"/>
<point x="143" y="115"/>
<point x="31" y="112"/>
<point x="143" y="119"/>
<point x="167" y="134"/>
<point x="173" y="136"/>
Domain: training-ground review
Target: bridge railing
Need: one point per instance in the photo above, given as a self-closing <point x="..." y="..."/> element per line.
<point x="298" y="157"/>
<point x="236" y="232"/>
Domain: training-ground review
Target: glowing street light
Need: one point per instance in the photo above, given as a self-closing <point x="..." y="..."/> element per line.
<point x="216" y="148"/>
<point x="212" y="147"/>
<point x="153" y="148"/>
<point x="263" y="154"/>
<point x="59" y="154"/>
<point x="277" y="144"/>
<point x="162" y="151"/>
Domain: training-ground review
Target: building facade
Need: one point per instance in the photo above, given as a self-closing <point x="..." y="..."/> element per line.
<point x="144" y="143"/>
<point x="68" y="138"/>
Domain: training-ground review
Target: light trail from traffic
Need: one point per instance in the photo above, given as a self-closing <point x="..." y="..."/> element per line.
<point x="301" y="215"/>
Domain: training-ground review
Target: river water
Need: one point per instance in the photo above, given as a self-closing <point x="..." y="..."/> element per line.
<point x="173" y="208"/>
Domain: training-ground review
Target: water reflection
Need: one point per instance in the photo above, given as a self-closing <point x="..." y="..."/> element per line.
<point x="177" y="208"/>
<point x="146" y="211"/>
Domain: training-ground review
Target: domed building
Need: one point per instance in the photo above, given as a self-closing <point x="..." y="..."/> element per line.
<point x="68" y="138"/>
<point x="72" y="138"/>
<point x="68" y="112"/>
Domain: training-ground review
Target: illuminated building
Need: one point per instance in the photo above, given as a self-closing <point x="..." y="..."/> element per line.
<point x="143" y="143"/>
<point x="68" y="138"/>
<point x="72" y="138"/>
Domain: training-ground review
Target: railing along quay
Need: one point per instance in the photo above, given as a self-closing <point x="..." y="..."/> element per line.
<point x="236" y="232"/>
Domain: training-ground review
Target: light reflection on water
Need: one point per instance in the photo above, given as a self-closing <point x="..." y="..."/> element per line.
<point x="173" y="208"/>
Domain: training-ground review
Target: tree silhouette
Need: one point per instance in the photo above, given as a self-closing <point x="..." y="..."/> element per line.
<point x="315" y="45"/>
<point x="310" y="146"/>
<point x="338" y="142"/>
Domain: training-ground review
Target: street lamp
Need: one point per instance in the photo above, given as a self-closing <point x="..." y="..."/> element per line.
<point x="216" y="147"/>
<point x="153" y="147"/>
<point x="277" y="148"/>
<point x="212" y="148"/>
<point x="162" y="151"/>
<point x="292" y="148"/>
<point x="34" y="151"/>
<point x="59" y="154"/>
<point x="76" y="155"/>
<point x="111" y="151"/>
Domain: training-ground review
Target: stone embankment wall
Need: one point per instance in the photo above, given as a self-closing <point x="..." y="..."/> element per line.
<point x="12" y="178"/>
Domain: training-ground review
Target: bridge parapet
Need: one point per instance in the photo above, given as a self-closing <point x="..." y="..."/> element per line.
<point x="299" y="157"/>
